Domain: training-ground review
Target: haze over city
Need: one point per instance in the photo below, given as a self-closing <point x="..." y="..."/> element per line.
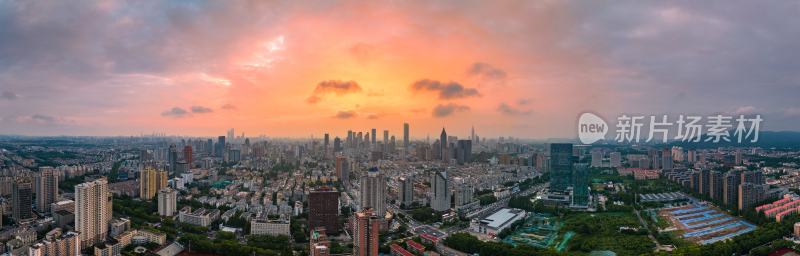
<point x="295" y="69"/>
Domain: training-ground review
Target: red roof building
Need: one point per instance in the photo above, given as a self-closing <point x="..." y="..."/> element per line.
<point x="415" y="247"/>
<point x="399" y="251"/>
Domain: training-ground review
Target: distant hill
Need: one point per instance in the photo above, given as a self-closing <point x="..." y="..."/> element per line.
<point x="766" y="139"/>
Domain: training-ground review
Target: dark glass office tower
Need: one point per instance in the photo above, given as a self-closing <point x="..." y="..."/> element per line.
<point x="580" y="185"/>
<point x="22" y="199"/>
<point x="560" y="166"/>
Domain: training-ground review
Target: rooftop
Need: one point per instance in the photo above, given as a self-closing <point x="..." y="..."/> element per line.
<point x="501" y="217"/>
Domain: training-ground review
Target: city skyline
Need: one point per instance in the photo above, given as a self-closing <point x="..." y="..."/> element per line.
<point x="296" y="69"/>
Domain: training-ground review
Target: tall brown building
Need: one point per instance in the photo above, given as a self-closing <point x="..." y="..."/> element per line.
<point x="323" y="209"/>
<point x="365" y="233"/>
<point x="187" y="155"/>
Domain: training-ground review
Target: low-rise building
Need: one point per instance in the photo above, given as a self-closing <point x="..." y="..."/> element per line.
<point x="58" y="244"/>
<point x="264" y="226"/>
<point x="498" y="221"/>
<point x="319" y="244"/>
<point x="110" y="247"/>
<point x="200" y="217"/>
<point x="118" y="226"/>
<point x="396" y="250"/>
<point x="140" y="237"/>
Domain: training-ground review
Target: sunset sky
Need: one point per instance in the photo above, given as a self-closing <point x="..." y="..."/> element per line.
<point x="301" y="68"/>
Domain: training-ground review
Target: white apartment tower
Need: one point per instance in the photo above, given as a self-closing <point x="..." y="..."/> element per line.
<point x="373" y="191"/>
<point x="440" y="193"/>
<point x="167" y="202"/>
<point x="92" y="211"/>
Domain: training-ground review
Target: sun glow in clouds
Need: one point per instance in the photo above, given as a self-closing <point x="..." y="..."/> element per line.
<point x="267" y="53"/>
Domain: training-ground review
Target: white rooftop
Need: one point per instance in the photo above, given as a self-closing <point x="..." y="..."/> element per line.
<point x="501" y="217"/>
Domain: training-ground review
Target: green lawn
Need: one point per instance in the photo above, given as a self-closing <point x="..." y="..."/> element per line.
<point x="600" y="231"/>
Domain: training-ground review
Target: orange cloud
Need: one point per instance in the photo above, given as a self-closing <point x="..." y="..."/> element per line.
<point x="448" y="109"/>
<point x="333" y="86"/>
<point x="446" y="91"/>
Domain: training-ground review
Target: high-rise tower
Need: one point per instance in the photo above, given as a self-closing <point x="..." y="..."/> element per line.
<point x="440" y="193"/>
<point x="373" y="191"/>
<point x="47" y="189"/>
<point x="405" y="136"/>
<point x="443" y="144"/>
<point x="22" y="199"/>
<point x="150" y="182"/>
<point x="92" y="211"/>
<point x="560" y="166"/>
<point x="365" y="233"/>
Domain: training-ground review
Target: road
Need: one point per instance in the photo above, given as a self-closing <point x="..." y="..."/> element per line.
<point x="649" y="232"/>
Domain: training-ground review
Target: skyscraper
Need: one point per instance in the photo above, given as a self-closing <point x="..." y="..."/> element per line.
<point x="705" y="182"/>
<point x="337" y="144"/>
<point x="342" y="170"/>
<point x="440" y="192"/>
<point x="349" y="141"/>
<point x="326" y="143"/>
<point x="373" y="191"/>
<point x="187" y="155"/>
<point x="749" y="195"/>
<point x="365" y="233"/>
<point x="374" y="133"/>
<point x="405" y="136"/>
<point x="666" y="158"/>
<point x="615" y="159"/>
<point x="717" y="185"/>
<point x="597" y="158"/>
<point x="560" y="166"/>
<point x="167" y="202"/>
<point x="755" y="177"/>
<point x="407" y="191"/>
<point x="47" y="189"/>
<point x="92" y="211"/>
<point x="219" y="151"/>
<point x="463" y="192"/>
<point x="464" y="151"/>
<point x="22" y="197"/>
<point x="172" y="157"/>
<point x="323" y="209"/>
<point x="443" y="144"/>
<point x="231" y="135"/>
<point x="580" y="185"/>
<point x="730" y="194"/>
<point x="150" y="182"/>
<point x="386" y="141"/>
<point x="472" y="135"/>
